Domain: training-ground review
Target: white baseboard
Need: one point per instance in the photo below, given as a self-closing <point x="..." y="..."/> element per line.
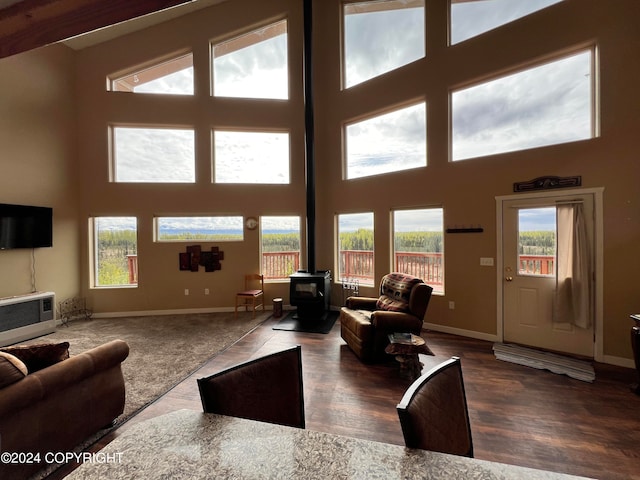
<point x="184" y="311"/>
<point x="608" y="359"/>
<point x="489" y="337"/>
<point x="619" y="361"/>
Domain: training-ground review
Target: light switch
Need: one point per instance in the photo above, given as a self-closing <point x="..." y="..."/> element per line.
<point x="486" y="261"/>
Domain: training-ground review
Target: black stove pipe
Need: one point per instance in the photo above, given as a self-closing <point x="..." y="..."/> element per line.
<point x="309" y="138"/>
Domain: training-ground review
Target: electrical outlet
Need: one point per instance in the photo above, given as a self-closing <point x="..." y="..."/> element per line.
<point x="206" y="291"/>
<point x="486" y="261"/>
<point x="452" y="305"/>
<point x="186" y="291"/>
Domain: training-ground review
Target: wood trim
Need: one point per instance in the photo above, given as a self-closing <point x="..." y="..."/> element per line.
<point x="31" y="24"/>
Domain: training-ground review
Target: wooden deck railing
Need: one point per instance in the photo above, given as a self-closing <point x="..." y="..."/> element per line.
<point x="279" y="265"/>
<point x="537" y="264"/>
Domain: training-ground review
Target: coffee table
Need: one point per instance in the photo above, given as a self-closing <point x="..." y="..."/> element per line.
<point x="406" y="348"/>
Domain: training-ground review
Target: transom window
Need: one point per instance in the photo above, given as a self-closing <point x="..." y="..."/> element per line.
<point x="387" y="143"/>
<point x="173" y="77"/>
<point x="161" y="155"/>
<point x="253" y="65"/>
<point x="115" y="251"/>
<point x="280" y="242"/>
<point x="380" y="36"/>
<point x="470" y="18"/>
<point x="251" y="157"/>
<point x="544" y="105"/>
<point x="198" y="228"/>
<point x="355" y="247"/>
<point x="418" y="245"/>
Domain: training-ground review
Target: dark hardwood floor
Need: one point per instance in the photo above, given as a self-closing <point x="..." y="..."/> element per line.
<point x="519" y="415"/>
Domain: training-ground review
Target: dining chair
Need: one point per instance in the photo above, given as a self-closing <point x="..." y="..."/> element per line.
<point x="433" y="411"/>
<point x="267" y="389"/>
<point x="253" y="293"/>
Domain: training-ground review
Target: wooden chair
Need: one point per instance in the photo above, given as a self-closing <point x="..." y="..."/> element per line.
<point x="253" y="293"/>
<point x="433" y="411"/>
<point x="267" y="389"/>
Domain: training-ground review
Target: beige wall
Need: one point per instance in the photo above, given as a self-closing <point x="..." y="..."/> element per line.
<point x="37" y="166"/>
<point x="161" y="283"/>
<point x="466" y="190"/>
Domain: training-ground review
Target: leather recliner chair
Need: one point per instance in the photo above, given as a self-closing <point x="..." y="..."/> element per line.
<point x="366" y="322"/>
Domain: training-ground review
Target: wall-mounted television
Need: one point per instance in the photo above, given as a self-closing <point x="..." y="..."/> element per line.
<point x="23" y="226"/>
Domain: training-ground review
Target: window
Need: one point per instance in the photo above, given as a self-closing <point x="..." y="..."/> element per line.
<point x="280" y="238"/>
<point x="251" y="157"/>
<point x="253" y="65"/>
<point x="115" y="251"/>
<point x="418" y="246"/>
<point x="544" y="105"/>
<point x="173" y="77"/>
<point x="202" y="229"/>
<point x="537" y="241"/>
<point x="387" y="143"/>
<point x="355" y="247"/>
<point x="153" y="155"/>
<point x="380" y="36"/>
<point x="470" y="18"/>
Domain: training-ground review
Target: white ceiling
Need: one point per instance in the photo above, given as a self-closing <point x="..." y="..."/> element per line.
<point x="113" y="31"/>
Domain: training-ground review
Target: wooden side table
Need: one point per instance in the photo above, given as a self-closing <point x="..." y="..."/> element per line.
<point x="635" y="344"/>
<point x="406" y="350"/>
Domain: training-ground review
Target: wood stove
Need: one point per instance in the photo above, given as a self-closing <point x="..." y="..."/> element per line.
<point x="310" y="293"/>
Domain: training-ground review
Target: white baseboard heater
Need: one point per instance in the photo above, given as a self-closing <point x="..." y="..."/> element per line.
<point x="26" y="316"/>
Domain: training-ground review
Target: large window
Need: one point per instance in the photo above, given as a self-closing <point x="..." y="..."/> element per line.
<point x="251" y="157"/>
<point x="200" y="228"/>
<point x="280" y="239"/>
<point x="161" y="155"/>
<point x="173" y="77"/>
<point x="115" y="250"/>
<point x="380" y="36"/>
<point x="418" y="245"/>
<point x="470" y="18"/>
<point x="253" y="65"/>
<point x="387" y="143"/>
<point x="355" y="248"/>
<point x="544" y="105"/>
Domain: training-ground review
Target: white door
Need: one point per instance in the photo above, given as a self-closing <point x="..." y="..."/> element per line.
<point x="529" y="276"/>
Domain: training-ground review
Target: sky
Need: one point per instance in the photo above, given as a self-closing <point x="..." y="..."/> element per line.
<point x="506" y="114"/>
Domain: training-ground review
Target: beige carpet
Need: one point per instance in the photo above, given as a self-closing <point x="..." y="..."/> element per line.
<point x="164" y="349"/>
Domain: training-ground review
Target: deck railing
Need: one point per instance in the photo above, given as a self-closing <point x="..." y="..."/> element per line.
<point x="537" y="264"/>
<point x="279" y="265"/>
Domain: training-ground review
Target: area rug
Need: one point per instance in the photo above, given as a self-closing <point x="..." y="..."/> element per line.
<point x="163" y="349"/>
<point x="572" y="367"/>
<point x="321" y="325"/>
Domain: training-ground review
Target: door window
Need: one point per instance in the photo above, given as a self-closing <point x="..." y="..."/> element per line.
<point x="537" y="241"/>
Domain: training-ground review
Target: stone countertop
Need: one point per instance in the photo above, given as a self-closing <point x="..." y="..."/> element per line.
<point x="186" y="444"/>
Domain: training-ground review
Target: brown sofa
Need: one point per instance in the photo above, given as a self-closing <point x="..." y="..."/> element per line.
<point x="59" y="406"/>
<point x="366" y="322"/>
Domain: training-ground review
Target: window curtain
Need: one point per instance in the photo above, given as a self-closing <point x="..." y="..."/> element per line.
<point x="574" y="288"/>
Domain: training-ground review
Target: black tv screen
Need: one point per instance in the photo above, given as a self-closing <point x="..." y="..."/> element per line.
<point x="23" y="226"/>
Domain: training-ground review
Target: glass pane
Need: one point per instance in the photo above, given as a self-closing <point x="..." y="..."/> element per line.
<point x="204" y="229"/>
<point x="173" y="77"/>
<point x="280" y="246"/>
<point x="158" y="155"/>
<point x="472" y="17"/>
<point x="381" y="36"/>
<point x="537" y="241"/>
<point x="388" y="143"/>
<point x="355" y="247"/>
<point x="253" y="65"/>
<point x="544" y="105"/>
<point x="251" y="157"/>
<point x="418" y="245"/>
<point x="116" y="251"/>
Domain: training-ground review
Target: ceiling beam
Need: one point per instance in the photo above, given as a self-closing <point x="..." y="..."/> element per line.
<point x="31" y="24"/>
